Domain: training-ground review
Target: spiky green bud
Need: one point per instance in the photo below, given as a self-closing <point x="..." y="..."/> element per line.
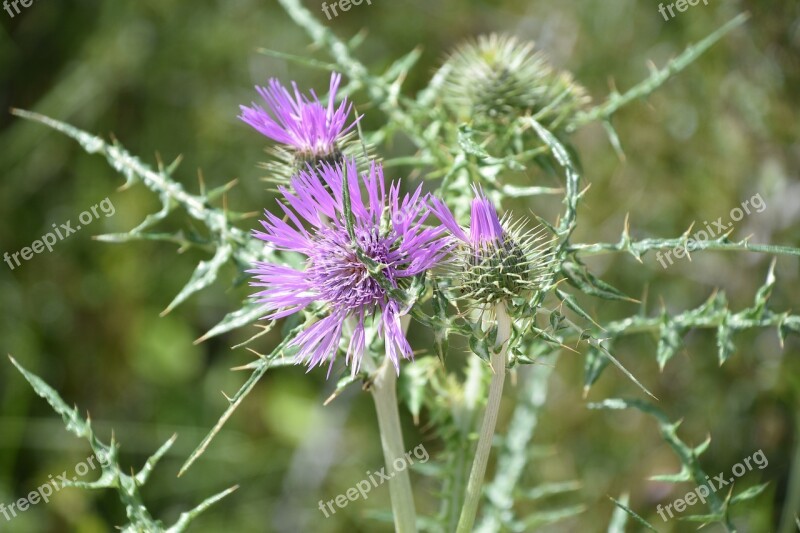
<point x="503" y="271"/>
<point x="497" y="78"/>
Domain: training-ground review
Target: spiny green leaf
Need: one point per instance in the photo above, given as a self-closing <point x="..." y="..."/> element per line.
<point x="607" y="354"/>
<point x="593" y="366"/>
<point x="234" y="402"/>
<point x="763" y="294"/>
<point x="400" y="67"/>
<point x="704" y="518"/>
<point x="248" y="314"/>
<point x="572" y="303"/>
<point x="690" y="467"/>
<point x="74" y="422"/>
<point x="749" y="494"/>
<point x="480" y="347"/>
<point x="440" y="334"/>
<point x="725" y="344"/>
<point x="187" y="517"/>
<point x="467" y="143"/>
<point x="579" y="277"/>
<point x="300" y="60"/>
<point x="542" y="518"/>
<point x="556" y="321"/>
<point x="701" y="448"/>
<point x="203" y="276"/>
<point x="150" y="220"/>
<point x="639" y="248"/>
<point x="630" y="512"/>
<point x="413" y="383"/>
<point x="788" y="324"/>
<point x="571" y="197"/>
<point x="216" y="192"/>
<point x="513" y="191"/>
<point x="112" y="476"/>
<point x="549" y="489"/>
<point x="180" y="238"/>
<point x="657" y="77"/>
<point x="670" y="341"/>
<point x="614" y="139"/>
<point x="681" y="477"/>
<point x="347" y="205"/>
<point x="147" y="469"/>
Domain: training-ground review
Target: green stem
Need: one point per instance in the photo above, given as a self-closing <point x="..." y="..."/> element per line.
<point x="639" y="248"/>
<point x="532" y="390"/>
<point x="384" y="394"/>
<point x="476" y="476"/>
<point x="791" y="504"/>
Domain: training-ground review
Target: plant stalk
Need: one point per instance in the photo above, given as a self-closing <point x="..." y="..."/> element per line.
<point x="384" y="393"/>
<point x="478" y="472"/>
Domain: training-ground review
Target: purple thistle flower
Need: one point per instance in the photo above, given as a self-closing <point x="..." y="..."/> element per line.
<point x="387" y="229"/>
<point x="485" y="228"/>
<point x="301" y="122"/>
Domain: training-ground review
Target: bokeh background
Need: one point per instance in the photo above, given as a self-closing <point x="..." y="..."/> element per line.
<point x="167" y="76"/>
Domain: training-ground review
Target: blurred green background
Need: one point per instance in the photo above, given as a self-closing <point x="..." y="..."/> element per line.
<point x="167" y="76"/>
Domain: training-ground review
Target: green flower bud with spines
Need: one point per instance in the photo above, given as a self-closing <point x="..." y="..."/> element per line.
<point x="496" y="261"/>
<point x="497" y="78"/>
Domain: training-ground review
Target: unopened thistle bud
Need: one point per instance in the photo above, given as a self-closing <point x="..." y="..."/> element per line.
<point x="497" y="78"/>
<point x="498" y="261"/>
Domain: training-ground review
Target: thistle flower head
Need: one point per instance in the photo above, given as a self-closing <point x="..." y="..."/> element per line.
<point x="498" y="78"/>
<point x="387" y="231"/>
<point x="309" y="131"/>
<point x="497" y="260"/>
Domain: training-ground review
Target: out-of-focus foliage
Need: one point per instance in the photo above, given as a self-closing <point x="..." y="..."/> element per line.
<point x="168" y="76"/>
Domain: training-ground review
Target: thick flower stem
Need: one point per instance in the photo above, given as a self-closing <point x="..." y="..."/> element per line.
<point x="478" y="472"/>
<point x="384" y="393"/>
